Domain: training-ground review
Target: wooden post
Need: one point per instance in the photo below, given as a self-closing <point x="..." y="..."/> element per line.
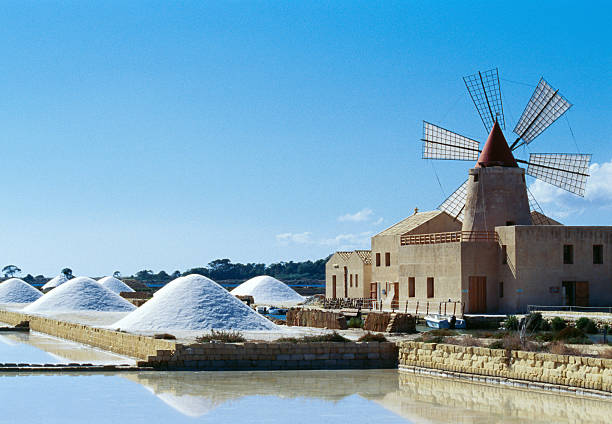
<point x="462" y="309"/>
<point x="416" y="312"/>
<point x="444" y="308"/>
<point x="406" y="308"/>
<point x="440" y="308"/>
<point x="454" y="308"/>
<point x="427" y="313"/>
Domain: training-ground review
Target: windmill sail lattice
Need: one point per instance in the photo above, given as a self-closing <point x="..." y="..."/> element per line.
<point x="545" y="107"/>
<point x="486" y="93"/>
<point x="564" y="170"/>
<point x="455" y="203"/>
<point x="440" y="143"/>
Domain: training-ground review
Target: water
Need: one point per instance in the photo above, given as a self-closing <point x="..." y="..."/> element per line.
<point x="37" y="348"/>
<point x="372" y="396"/>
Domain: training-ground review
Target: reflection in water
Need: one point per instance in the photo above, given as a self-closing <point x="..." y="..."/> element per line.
<point x="39" y="348"/>
<point x="420" y="399"/>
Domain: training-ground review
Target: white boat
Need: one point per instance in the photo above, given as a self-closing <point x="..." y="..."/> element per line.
<point x="441" y="321"/>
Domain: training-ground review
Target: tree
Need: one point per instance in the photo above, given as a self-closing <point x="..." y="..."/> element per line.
<point x="68" y="273"/>
<point x="117" y="274"/>
<point x="29" y="279"/>
<point x="176" y="274"/>
<point x="10" y="270"/>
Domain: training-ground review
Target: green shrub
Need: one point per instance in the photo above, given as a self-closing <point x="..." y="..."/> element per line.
<point x="372" y="337"/>
<point x="511" y="323"/>
<point x="570" y="333"/>
<point x="221" y="336"/>
<point x="355" y="322"/>
<point x="333" y="337"/>
<point x="545" y="337"/>
<point x="534" y="321"/>
<point x="497" y="344"/>
<point x="587" y="325"/>
<point x="558" y="324"/>
<point x="545" y="325"/>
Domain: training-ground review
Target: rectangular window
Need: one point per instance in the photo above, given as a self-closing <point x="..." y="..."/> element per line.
<point x="504" y="254"/>
<point x="475" y="178"/>
<point x="501" y="289"/>
<point x="411" y="287"/>
<point x="378" y="259"/>
<point x="598" y="254"/>
<point x="356" y="280"/>
<point x="351" y="280"/>
<point x="387" y="259"/>
<point x="568" y="254"/>
<point x="430" y="287"/>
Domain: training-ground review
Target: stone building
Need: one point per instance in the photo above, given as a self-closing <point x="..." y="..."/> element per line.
<point x="495" y="260"/>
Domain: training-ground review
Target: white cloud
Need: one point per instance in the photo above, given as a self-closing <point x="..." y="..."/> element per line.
<point x="349" y="241"/>
<point x="361" y="216"/>
<point x="295" y="238"/>
<point x="378" y="221"/>
<point x="562" y="204"/>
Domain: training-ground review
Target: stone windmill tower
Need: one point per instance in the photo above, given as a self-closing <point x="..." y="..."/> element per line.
<point x="496" y="193"/>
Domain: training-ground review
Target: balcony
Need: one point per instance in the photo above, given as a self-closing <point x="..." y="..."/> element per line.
<point x="452" y="237"/>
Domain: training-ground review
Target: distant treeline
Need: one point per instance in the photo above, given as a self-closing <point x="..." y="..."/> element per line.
<point x="224" y="269"/>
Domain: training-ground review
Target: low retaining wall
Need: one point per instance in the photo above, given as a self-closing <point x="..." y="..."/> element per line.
<point x="316" y="318"/>
<point x="278" y="356"/>
<point x="390" y="322"/>
<point x="140" y="347"/>
<point x="166" y="354"/>
<point x="574" y="371"/>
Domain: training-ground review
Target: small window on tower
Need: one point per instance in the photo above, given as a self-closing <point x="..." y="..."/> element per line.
<point x="568" y="254"/>
<point x="356" y="280"/>
<point x="510" y="223"/>
<point x="475" y="178"/>
<point x="598" y="254"/>
<point x="378" y="259"/>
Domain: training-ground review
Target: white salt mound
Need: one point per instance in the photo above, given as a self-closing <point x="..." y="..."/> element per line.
<point x="80" y="294"/>
<point x="15" y="290"/>
<point x="54" y="282"/>
<point x="194" y="302"/>
<point x="268" y="290"/>
<point x="115" y="285"/>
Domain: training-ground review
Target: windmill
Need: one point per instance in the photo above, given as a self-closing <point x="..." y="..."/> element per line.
<point x="568" y="171"/>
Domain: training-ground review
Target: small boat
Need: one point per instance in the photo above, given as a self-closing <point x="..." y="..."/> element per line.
<point x="262" y="310"/>
<point x="440" y="321"/>
<point x="277" y="311"/>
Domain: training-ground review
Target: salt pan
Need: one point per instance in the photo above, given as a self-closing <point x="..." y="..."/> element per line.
<point x="15" y="290"/>
<point x="268" y="290"/>
<point x="80" y="294"/>
<point x="193" y="302"/>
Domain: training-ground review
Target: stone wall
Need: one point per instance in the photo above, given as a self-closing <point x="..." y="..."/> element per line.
<point x="316" y="318"/>
<point x="575" y="371"/>
<point x="140" y="347"/>
<point x="278" y="356"/>
<point x="390" y="322"/>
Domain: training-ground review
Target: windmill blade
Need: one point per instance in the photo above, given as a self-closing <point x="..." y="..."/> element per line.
<point x="486" y="94"/>
<point x="545" y="107"/>
<point x="568" y="171"/>
<point x="537" y="215"/>
<point x="440" y="143"/>
<point x="454" y="205"/>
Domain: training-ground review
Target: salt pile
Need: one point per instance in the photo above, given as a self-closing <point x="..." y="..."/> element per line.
<point x="54" y="282"/>
<point x="80" y="294"/>
<point x="268" y="290"/>
<point x="115" y="285"/>
<point x="194" y="302"/>
<point x="15" y="290"/>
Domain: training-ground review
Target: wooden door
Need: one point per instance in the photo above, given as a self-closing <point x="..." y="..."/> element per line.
<point x="345" y="282"/>
<point x="334" y="282"/>
<point x="373" y="291"/>
<point x="395" y="300"/>
<point x="478" y="294"/>
<point x="582" y="293"/>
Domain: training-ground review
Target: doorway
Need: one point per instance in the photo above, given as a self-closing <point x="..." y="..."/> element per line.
<point x="395" y="300"/>
<point x="478" y="294"/>
<point x="345" y="282"/>
<point x="575" y="293"/>
<point x="334" y="282"/>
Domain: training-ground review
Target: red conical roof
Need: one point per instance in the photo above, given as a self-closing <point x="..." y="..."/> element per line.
<point x="496" y="151"/>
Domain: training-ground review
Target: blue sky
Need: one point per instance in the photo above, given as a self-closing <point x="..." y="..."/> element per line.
<point x="162" y="135"/>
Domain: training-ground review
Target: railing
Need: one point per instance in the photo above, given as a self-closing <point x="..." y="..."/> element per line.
<point x="452" y="237"/>
<point x="545" y="308"/>
<point x="415" y="307"/>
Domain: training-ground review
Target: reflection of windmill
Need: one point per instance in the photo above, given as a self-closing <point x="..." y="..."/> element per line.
<point x="565" y="170"/>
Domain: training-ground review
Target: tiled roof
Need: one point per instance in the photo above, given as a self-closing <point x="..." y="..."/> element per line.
<point x="540" y="219"/>
<point x="365" y="256"/>
<point x="345" y="255"/>
<point x="409" y="223"/>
